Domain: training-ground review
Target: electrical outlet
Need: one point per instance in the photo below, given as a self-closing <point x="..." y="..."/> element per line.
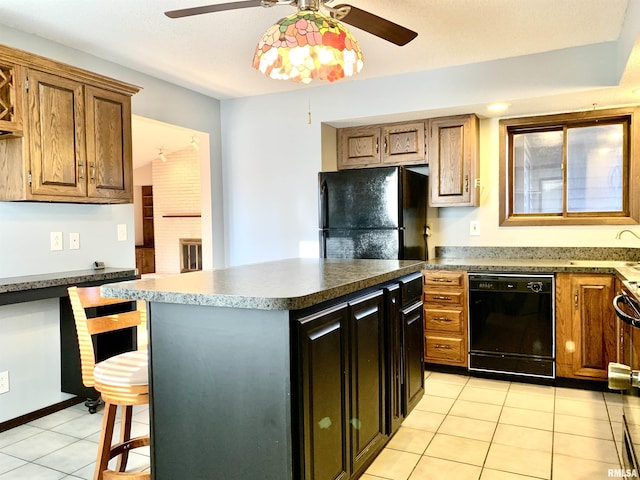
<point x="4" y="382"/>
<point x="56" y="241"/>
<point x="474" y="228"/>
<point x="74" y="241"/>
<point x="122" y="232"/>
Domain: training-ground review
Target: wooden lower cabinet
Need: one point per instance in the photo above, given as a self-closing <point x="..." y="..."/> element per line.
<point x="367" y="375"/>
<point x="324" y="417"/>
<point x="413" y="351"/>
<point x="343" y="388"/>
<point x="586" y="325"/>
<point x="145" y="260"/>
<point x="445" y="317"/>
<point x="360" y="371"/>
<point x="405" y="353"/>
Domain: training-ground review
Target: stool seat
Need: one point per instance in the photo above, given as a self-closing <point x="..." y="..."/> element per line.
<point x="122" y="381"/>
<point x="125" y="370"/>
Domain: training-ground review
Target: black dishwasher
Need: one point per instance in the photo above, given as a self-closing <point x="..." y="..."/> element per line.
<point x="512" y="324"/>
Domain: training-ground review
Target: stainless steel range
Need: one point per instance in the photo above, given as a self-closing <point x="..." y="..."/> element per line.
<point x="625" y="377"/>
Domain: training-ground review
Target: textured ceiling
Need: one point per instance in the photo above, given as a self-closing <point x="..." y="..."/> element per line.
<point x="213" y="53"/>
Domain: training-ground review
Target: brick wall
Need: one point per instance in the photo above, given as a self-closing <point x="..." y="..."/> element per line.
<point x="176" y="191"/>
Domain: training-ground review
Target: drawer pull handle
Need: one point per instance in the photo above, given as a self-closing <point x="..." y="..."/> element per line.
<point x="443" y="347"/>
<point x="442" y="280"/>
<point x="442" y="319"/>
<point x="441" y="297"/>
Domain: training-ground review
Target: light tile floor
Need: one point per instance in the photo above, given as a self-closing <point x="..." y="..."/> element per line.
<point x="465" y="428"/>
<point x="469" y="428"/>
<point x="63" y="445"/>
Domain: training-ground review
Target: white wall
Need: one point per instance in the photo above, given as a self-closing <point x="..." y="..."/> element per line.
<point x="31" y="354"/>
<point x="272" y="155"/>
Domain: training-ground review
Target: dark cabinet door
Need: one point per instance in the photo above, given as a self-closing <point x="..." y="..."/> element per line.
<point x="413" y="332"/>
<point x="323" y="394"/>
<point x="367" y="379"/>
<point x="395" y="360"/>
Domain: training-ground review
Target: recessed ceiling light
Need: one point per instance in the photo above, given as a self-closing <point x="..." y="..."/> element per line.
<point x="498" y="107"/>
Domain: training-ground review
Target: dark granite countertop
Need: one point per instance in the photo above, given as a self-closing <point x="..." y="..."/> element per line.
<point x="280" y="285"/>
<point x="32" y="282"/>
<point x="534" y="265"/>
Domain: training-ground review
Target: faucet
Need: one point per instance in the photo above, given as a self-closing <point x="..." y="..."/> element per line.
<point x="619" y="234"/>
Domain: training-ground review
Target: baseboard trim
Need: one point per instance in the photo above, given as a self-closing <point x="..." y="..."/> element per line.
<point x="43" y="412"/>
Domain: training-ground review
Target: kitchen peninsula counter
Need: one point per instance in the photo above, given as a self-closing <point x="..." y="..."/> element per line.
<point x="227" y="390"/>
<point x="290" y="284"/>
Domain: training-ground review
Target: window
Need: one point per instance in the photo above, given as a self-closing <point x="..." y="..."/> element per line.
<point x="569" y="169"/>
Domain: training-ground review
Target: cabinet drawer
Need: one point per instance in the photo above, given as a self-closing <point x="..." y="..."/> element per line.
<point x="444" y="279"/>
<point x="450" y="321"/>
<point x="444" y="348"/>
<point x="443" y="298"/>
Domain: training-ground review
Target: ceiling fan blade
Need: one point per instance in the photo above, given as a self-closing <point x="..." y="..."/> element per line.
<point x="187" y="12"/>
<point x="378" y="26"/>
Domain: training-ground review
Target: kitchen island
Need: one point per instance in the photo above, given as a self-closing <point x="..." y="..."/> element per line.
<point x="278" y="370"/>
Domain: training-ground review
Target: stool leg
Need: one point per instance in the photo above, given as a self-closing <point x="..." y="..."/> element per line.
<point x="106" y="437"/>
<point x="125" y="435"/>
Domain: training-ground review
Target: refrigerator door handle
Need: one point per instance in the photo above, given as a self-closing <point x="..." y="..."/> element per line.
<point x="324" y="205"/>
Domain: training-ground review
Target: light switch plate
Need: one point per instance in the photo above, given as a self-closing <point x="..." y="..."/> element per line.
<point x="4" y="381"/>
<point x="74" y="241"/>
<point x="122" y="232"/>
<point x="474" y="228"/>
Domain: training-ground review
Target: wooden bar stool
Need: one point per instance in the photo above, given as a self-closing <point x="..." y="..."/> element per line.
<point x="121" y="380"/>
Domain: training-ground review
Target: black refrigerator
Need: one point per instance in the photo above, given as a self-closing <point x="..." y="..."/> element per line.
<point x="373" y="213"/>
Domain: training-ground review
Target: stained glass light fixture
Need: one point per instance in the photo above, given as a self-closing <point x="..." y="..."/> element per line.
<point x="307" y="46"/>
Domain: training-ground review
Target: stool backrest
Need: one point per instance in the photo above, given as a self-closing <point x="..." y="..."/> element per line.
<point x="84" y="297"/>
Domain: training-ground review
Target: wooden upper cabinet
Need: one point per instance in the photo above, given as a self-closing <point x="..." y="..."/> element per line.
<point x="108" y="120"/>
<point x="375" y="145"/>
<point x="71" y="139"/>
<point x="358" y="147"/>
<point x="403" y="143"/>
<point x="56" y="136"/>
<point x="11" y="88"/>
<point x="454" y="161"/>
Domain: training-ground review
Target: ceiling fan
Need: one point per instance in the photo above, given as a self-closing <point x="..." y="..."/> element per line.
<point x="349" y="14"/>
